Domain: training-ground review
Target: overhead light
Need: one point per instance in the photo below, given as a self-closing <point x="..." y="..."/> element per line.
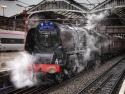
<point x="3" y="6"/>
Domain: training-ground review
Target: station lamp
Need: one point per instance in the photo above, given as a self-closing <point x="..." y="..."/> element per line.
<point x="3" y="8"/>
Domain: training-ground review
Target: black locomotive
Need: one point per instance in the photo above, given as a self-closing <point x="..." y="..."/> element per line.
<point x="63" y="51"/>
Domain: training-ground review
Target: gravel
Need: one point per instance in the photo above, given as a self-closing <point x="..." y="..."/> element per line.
<point x="72" y="87"/>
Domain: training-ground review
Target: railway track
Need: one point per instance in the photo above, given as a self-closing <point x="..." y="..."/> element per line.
<point x="107" y="78"/>
<point x="28" y="90"/>
<point x="45" y="90"/>
<point x="5" y="83"/>
<point x="6" y="86"/>
<point x="116" y="87"/>
<point x="39" y="89"/>
<point x="106" y="82"/>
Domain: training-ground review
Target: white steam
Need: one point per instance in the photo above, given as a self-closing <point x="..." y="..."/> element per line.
<point x="91" y="45"/>
<point x="94" y="19"/>
<point x="21" y="76"/>
<point x="84" y="39"/>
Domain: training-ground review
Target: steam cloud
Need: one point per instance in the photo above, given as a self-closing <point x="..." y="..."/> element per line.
<point x="85" y="38"/>
<point x="20" y="74"/>
<point x="93" y="20"/>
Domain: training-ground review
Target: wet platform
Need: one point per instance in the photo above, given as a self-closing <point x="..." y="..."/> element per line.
<point x="6" y="57"/>
<point x="122" y="88"/>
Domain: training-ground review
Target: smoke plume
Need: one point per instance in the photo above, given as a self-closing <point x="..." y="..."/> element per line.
<point x="94" y="19"/>
<point x="20" y="74"/>
<point x="84" y="39"/>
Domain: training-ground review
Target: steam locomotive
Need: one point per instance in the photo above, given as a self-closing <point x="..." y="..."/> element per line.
<point x="56" y="55"/>
<point x="63" y="51"/>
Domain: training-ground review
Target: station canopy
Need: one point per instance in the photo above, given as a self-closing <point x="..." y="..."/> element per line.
<point x="90" y="3"/>
<point x="13" y="9"/>
<point x="71" y="9"/>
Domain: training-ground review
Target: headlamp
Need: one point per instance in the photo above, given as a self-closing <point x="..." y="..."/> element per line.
<point x="51" y="70"/>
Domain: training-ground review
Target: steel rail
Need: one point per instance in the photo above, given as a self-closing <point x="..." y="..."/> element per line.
<point x="5" y="83"/>
<point x="56" y="86"/>
<point x="98" y="78"/>
<point x="16" y="91"/>
<point x="118" y="83"/>
<point x="34" y="90"/>
<point x="103" y="83"/>
<point x="67" y="81"/>
<point x="41" y="90"/>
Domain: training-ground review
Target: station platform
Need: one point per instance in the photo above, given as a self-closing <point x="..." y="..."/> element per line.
<point x="6" y="57"/>
<point x="122" y="88"/>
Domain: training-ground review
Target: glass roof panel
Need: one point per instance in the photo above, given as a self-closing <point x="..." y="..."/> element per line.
<point x="89" y="3"/>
